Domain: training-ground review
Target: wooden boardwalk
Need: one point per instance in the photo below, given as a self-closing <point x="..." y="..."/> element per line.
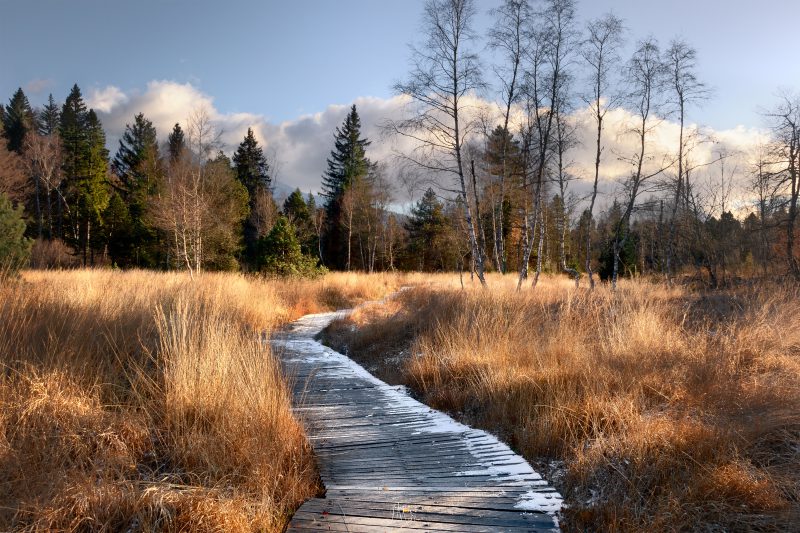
<point x="390" y="463"/>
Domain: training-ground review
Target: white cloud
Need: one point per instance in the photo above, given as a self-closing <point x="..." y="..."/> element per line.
<point x="302" y="145"/>
<point x="105" y="99"/>
<point x="38" y="85"/>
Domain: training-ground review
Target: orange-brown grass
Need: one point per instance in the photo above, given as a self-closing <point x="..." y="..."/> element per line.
<point x="144" y="401"/>
<point x="672" y="410"/>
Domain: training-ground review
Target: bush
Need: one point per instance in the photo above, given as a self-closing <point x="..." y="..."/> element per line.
<point x="280" y="253"/>
<point x="15" y="248"/>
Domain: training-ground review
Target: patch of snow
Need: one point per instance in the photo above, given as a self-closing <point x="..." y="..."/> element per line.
<point x="533" y="500"/>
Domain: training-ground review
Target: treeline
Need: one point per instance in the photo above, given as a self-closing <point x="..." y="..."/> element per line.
<point x="180" y="204"/>
<point x="510" y="166"/>
<point x="495" y="186"/>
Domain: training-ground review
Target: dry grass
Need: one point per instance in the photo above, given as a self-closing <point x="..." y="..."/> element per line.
<point x="671" y="410"/>
<point x="143" y="401"/>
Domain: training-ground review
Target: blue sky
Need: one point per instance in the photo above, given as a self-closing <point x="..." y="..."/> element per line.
<point x="290" y="69"/>
<point x="282" y="59"/>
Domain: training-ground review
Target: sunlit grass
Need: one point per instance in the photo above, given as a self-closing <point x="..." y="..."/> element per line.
<point x="140" y="401"/>
<point x="673" y="410"/>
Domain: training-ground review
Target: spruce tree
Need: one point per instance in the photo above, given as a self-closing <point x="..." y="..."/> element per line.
<point x="426" y="228"/>
<point x="94" y="192"/>
<point x="300" y="215"/>
<point x="348" y="159"/>
<point x="74" y="162"/>
<point x="14" y="246"/>
<point x="85" y="168"/>
<point x="251" y="165"/>
<point x="138" y="165"/>
<point x="252" y="171"/>
<point x="348" y="162"/>
<point x="295" y="208"/>
<point x="280" y="253"/>
<point x="73" y="132"/>
<point x="49" y="117"/>
<point x="18" y="120"/>
<point x="137" y="145"/>
<point x="176" y="143"/>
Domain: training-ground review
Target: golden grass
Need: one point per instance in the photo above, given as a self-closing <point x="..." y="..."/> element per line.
<point x="672" y="410"/>
<point x="139" y="401"/>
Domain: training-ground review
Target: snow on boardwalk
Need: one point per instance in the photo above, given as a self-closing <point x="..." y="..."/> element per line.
<point x="390" y="463"/>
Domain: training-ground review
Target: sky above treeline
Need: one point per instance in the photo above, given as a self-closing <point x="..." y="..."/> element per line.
<point x="290" y="69"/>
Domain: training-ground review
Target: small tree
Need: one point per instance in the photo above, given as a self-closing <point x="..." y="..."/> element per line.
<point x="252" y="171"/>
<point x="280" y="253"/>
<point x="427" y="227"/>
<point x="15" y="248"/>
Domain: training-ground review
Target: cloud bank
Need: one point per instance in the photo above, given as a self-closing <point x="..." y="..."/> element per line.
<point x="298" y="148"/>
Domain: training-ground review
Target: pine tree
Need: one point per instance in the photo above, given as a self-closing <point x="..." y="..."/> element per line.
<point x="251" y="165"/>
<point x="300" y="215"/>
<point x="280" y="253"/>
<point x="72" y="128"/>
<point x="74" y="161"/>
<point x="426" y="228"/>
<point x="138" y="165"/>
<point x="95" y="190"/>
<point x="137" y="145"/>
<point x="85" y="168"/>
<point x="295" y="208"/>
<point x="176" y="143"/>
<point x="348" y="159"/>
<point x="347" y="163"/>
<point x="117" y="227"/>
<point x="49" y="117"/>
<point x="18" y="120"/>
<point x="14" y="246"/>
<point x="252" y="171"/>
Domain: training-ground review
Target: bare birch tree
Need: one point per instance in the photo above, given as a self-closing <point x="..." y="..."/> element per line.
<point x="445" y="72"/>
<point x="600" y="50"/>
<point x="552" y="42"/>
<point x="786" y="133"/>
<point x="766" y="190"/>
<point x="681" y="63"/>
<point x="509" y="37"/>
<point x="202" y="205"/>
<point x="564" y="141"/>
<point x="645" y="77"/>
<point x="43" y="157"/>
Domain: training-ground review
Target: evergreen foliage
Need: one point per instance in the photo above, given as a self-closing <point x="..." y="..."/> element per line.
<point x="18" y="120"/>
<point x="138" y="166"/>
<point x="49" y="117"/>
<point x="176" y="143"/>
<point x="347" y="164"/>
<point x="295" y="208"/>
<point x="251" y="164"/>
<point x="15" y="248"/>
<point x="300" y="214"/>
<point x="226" y="205"/>
<point x="252" y="171"/>
<point x="427" y="227"/>
<point x="280" y="253"/>
<point x="73" y="132"/>
<point x="85" y="169"/>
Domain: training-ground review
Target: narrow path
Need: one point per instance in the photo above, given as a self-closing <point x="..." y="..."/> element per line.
<point x="390" y="463"/>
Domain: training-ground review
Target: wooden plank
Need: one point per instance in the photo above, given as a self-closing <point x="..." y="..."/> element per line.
<point x="385" y="459"/>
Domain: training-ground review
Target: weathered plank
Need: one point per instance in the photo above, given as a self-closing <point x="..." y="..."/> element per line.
<point x="390" y="463"/>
